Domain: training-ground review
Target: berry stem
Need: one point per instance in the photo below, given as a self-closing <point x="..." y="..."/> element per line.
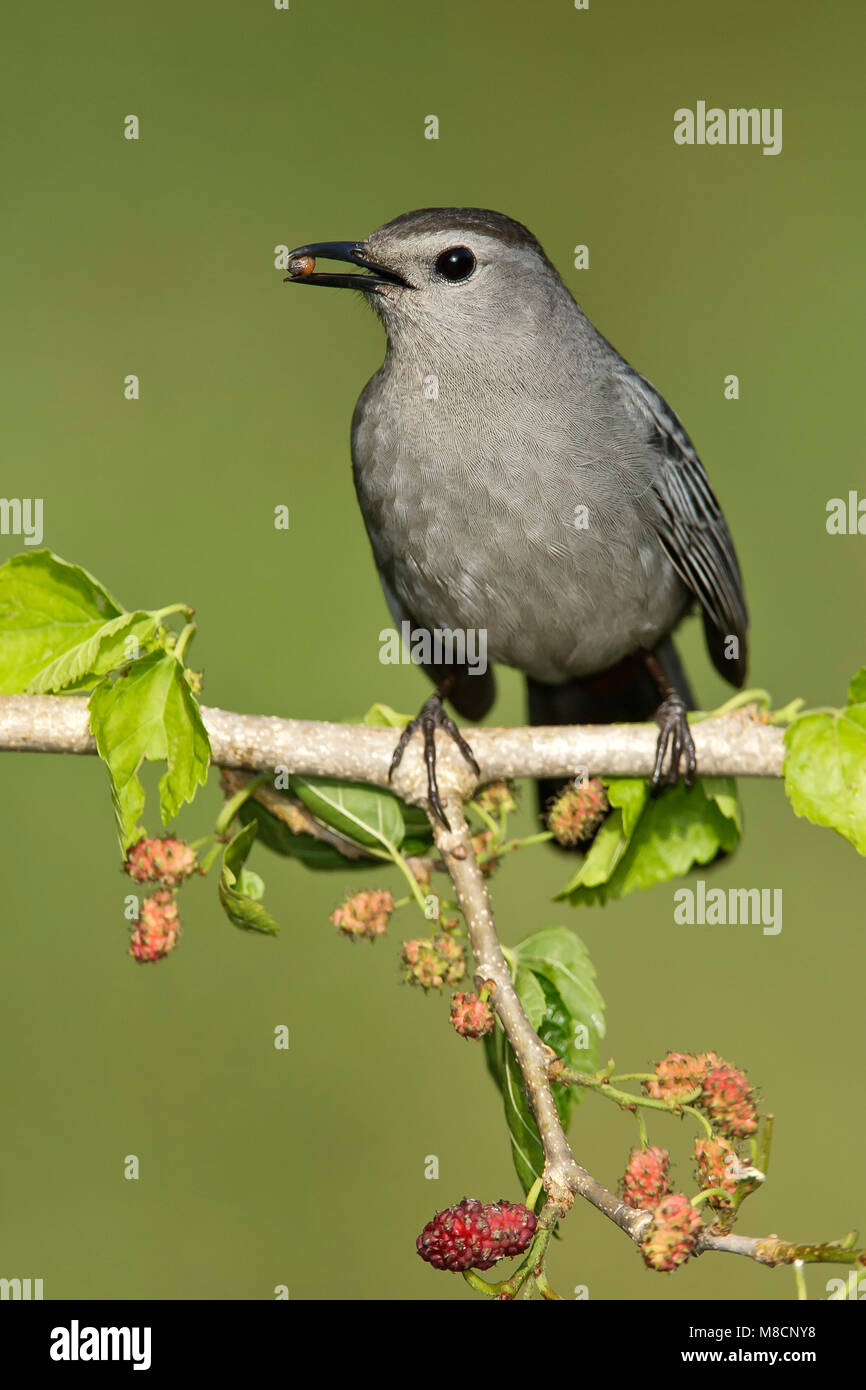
<point x="533" y="1258"/>
<point x="710" y="1192"/>
<point x="702" y="1119"/>
<point x="544" y="1288"/>
<point x="160" y="613"/>
<point x="644" y="1138"/>
<point x="183" y="641"/>
<point x="500" y="848"/>
<point x="800" y="1281"/>
<point x="762" y="1144"/>
<point x="738" y="701"/>
<point x="234" y="804"/>
<point x="626" y="1100"/>
<point x="488" y="820"/>
<point x="207" y="860"/>
<point x="395" y="855"/>
<point x="534" y="1193"/>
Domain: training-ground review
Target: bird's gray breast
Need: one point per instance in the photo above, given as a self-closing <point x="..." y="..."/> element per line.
<point x="521" y="512"/>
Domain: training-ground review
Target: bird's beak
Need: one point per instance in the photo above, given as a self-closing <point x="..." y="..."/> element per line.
<point x="303" y="258"/>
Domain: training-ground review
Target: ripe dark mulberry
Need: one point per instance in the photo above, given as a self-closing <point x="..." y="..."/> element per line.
<point x="474" y="1235"/>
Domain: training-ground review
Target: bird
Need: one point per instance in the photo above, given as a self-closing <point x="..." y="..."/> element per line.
<point x="518" y="477"/>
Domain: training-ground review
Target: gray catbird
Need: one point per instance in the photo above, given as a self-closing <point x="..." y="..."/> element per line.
<point x="517" y="476"/>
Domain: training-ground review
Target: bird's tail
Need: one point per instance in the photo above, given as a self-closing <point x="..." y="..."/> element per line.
<point x="624" y="694"/>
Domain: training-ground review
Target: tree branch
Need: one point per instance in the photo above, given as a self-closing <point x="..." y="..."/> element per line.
<point x="737" y="744"/>
<point x="563" y="1175"/>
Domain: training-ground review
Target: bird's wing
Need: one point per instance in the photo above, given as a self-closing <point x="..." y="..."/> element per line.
<point x="691" y="526"/>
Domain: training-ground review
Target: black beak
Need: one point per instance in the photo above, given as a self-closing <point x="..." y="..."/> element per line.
<point x="355" y="252"/>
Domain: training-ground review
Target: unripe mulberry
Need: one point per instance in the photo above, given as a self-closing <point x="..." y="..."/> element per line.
<point x="364" y="915"/>
<point x="432" y="964"/>
<point x="474" y="1235"/>
<point x="576" y="814"/>
<point x="670" y="1240"/>
<point x="157" y="928"/>
<point x="645" y="1181"/>
<point x="729" y="1101"/>
<point x="164" y="860"/>
<point x="497" y="797"/>
<point x="480" y="845"/>
<point x="680" y="1074"/>
<point x="717" y="1164"/>
<point x="471" y="1016"/>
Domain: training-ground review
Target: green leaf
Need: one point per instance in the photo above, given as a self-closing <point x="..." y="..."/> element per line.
<point x="531" y="996"/>
<point x="105" y="650"/>
<point x="628" y="794"/>
<point x="558" y="955"/>
<point x="825" y="768"/>
<point x="364" y="814"/>
<point x="275" y="835"/>
<point x="648" y="840"/>
<point x="857" y="688"/>
<point x="417" y="823"/>
<point x="47" y="608"/>
<point x="380" y="716"/>
<point x="251" y="884"/>
<point x="555" y="981"/>
<point x="723" y="791"/>
<point x="526" y="1150"/>
<point x="187" y="746"/>
<point x="149" y="713"/>
<point x="559" y="1030"/>
<point x="241" y="909"/>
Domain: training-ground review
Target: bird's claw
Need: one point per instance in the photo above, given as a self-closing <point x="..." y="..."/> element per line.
<point x="676" y="738"/>
<point x="431" y="717"/>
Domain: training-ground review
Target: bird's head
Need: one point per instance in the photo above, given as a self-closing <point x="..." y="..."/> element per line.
<point x="447" y="271"/>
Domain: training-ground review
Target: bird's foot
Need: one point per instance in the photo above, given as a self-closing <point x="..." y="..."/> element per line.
<point x="431" y="717"/>
<point x="676" y="738"/>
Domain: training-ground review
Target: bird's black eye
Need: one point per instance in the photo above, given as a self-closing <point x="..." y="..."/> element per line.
<point x="455" y="264"/>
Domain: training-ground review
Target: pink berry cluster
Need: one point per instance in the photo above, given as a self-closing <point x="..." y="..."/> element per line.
<point x="156" y="929"/>
<point x="670" y="1239"/>
<point x="170" y="863"/>
<point x="724" y="1094"/>
<point x="471" y="1016"/>
<point x="166" y="861"/>
<point x="717" y="1166"/>
<point x="576" y="813"/>
<point x="365" y="915"/>
<point x="434" y="963"/>
<point x="645" y="1181"/>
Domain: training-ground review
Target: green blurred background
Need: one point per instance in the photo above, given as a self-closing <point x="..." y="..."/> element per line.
<point x="156" y="257"/>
